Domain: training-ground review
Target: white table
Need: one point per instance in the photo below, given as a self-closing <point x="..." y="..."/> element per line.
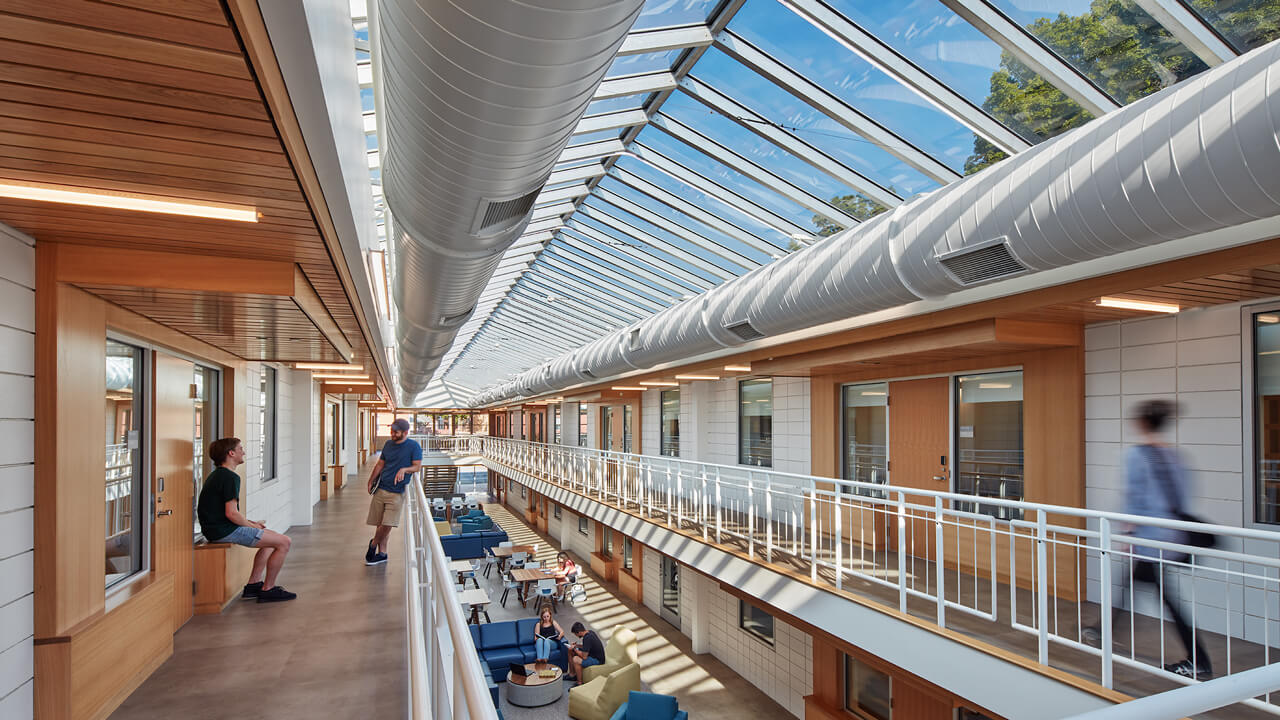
<point x="475" y="598"/>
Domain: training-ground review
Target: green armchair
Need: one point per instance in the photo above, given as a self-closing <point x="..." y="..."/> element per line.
<point x="599" y="699"/>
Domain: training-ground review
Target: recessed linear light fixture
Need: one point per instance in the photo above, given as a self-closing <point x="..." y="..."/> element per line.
<point x="329" y="376"/>
<point x="327" y="366"/>
<point x="874" y="392"/>
<point x="71" y="195"/>
<point x="659" y="383"/>
<point x="697" y="377"/>
<point x="738" y="368"/>
<point x="1145" y="305"/>
<point x="995" y="386"/>
<point x="1261" y="318"/>
<point x="625" y="387"/>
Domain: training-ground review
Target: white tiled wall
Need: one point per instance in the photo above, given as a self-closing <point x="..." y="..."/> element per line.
<point x="790" y="424"/>
<point x="580" y="545"/>
<point x="784" y="671"/>
<point x="650" y="422"/>
<point x="17" y="469"/>
<point x="270" y="499"/>
<point x="1193" y="358"/>
<point x="652" y="579"/>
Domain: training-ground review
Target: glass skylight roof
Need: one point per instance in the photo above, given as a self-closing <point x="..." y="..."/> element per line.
<point x="800" y="119"/>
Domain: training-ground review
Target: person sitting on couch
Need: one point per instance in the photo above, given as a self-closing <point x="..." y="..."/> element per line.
<point x="546" y="635"/>
<point x="584" y="654"/>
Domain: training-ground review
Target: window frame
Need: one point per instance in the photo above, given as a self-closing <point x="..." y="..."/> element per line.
<point x="555" y="510"/>
<point x="144" y="418"/>
<point x="859" y="711"/>
<point x="583" y="421"/>
<point x="269" y="442"/>
<point x="771" y="638"/>
<point x="628" y="553"/>
<point x="584" y="527"/>
<point x="606" y="543"/>
<point x="663" y="440"/>
<point x="1249" y="414"/>
<point x="954" y="464"/>
<point x="742" y="383"/>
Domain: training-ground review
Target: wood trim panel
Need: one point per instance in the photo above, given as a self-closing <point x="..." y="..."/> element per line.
<point x="99" y="265"/>
<point x="70" y="354"/>
<point x="305" y="297"/>
<point x="88" y="673"/>
<point x="171" y="548"/>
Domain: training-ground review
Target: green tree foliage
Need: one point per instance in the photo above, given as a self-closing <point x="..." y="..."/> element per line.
<point x="857" y="205"/>
<point x="1122" y="50"/>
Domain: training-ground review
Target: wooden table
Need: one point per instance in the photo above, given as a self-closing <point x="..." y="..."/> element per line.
<point x="503" y="553"/>
<point x="533" y="691"/>
<point x="475" y="598"/>
<point x="524" y="577"/>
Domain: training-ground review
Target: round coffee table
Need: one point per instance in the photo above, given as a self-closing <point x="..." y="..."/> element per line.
<point x="534" y="691"/>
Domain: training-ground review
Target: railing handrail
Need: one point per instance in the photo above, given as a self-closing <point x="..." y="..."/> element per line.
<point x="1193" y="699"/>
<point x="802" y="483"/>
<point x="434" y="686"/>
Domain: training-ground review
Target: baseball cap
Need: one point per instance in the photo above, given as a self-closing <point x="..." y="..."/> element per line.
<point x="400" y="424"/>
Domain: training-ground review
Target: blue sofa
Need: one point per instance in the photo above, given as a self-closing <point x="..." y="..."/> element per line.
<point x="472" y="544"/>
<point x="475" y="521"/>
<point x="502" y="643"/>
<point x="649" y="706"/>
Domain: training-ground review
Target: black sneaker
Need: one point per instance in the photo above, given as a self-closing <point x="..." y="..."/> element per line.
<point x="369" y="554"/>
<point x="275" y="594"/>
<point x="1186" y="669"/>
<point x="251" y="591"/>
<point x="377" y="559"/>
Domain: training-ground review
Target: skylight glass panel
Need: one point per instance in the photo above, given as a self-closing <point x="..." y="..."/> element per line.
<point x="641" y="283"/>
<point x="634" y="284"/>
<point x="620" y="258"/>
<point x="1116" y="44"/>
<point x="711" y="204"/>
<point x="715" y="171"/>
<point x="755" y="148"/>
<point x="366" y="100"/>
<point x="664" y="236"/>
<point x="666" y="13"/>
<point x="800" y="119"/>
<point x="694" y="227"/>
<point x="812" y="53"/>
<point x="970" y="63"/>
<point x="1246" y="24"/>
<point x="626" y="102"/>
<point x="660" y="256"/>
<point x="642" y="63"/>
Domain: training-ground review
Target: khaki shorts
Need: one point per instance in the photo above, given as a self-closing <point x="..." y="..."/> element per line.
<point x="384" y="508"/>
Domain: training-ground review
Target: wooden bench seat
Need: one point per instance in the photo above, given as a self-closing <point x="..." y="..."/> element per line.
<point x="220" y="571"/>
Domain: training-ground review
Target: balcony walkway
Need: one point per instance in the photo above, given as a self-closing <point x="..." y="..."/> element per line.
<point x="704" y="686"/>
<point x="335" y="652"/>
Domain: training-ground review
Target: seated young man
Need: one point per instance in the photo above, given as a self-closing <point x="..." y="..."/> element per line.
<point x="585" y="653"/>
<point x="222" y="522"/>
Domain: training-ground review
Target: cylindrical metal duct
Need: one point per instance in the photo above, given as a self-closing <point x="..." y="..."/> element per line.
<point x="478" y="101"/>
<point x="1200" y="156"/>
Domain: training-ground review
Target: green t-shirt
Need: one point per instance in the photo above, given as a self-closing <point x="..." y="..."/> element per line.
<point x="221" y="485"/>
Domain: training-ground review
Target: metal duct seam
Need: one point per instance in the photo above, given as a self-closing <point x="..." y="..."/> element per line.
<point x="478" y="100"/>
<point x="1197" y="157"/>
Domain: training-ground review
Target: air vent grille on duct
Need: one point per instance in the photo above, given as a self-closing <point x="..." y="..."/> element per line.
<point x="498" y="214"/>
<point x="978" y="265"/>
<point x="744" y="330"/>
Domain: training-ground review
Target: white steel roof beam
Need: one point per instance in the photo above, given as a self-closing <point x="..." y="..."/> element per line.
<point x="1016" y="41"/>
<point x="559" y="336"/>
<point x="875" y="51"/>
<point x="635" y="85"/>
<point x="833" y="107"/>
<point x="585" y="151"/>
<point x="632" y="285"/>
<point x="1190" y="29"/>
<point x="610" y="121"/>
<point x="572" y="192"/>
<point x="751" y="121"/>
<point x="624" y="292"/>
<point x="641" y="255"/>
<point x="574" y="298"/>
<point x="584" y="172"/>
<point x="664" y="288"/>
<point x="556" y="324"/>
<point x="664" y="39"/>
<point x="742" y="165"/>
<point x="560" y="312"/>
<point x="570" y="276"/>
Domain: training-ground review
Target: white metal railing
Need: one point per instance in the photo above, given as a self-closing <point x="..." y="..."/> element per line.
<point x="446" y="681"/>
<point x="1049" y="572"/>
<point x="119" y="490"/>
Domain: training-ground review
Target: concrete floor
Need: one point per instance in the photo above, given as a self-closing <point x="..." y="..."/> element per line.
<point x="335" y="652"/>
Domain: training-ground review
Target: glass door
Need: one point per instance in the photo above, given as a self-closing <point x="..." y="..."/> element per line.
<point x="670" y="591"/>
<point x="125" y="491"/>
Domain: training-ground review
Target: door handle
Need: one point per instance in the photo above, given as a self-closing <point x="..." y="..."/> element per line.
<point x="164" y="512"/>
<point x="935" y="477"/>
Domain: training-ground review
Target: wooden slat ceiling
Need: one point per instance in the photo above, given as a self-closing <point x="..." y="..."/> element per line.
<point x="157" y="97"/>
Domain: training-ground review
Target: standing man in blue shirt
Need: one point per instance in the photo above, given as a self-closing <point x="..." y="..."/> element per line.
<point x="401" y="458"/>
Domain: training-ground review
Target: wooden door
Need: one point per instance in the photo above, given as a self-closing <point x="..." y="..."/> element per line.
<point x="171" y="484"/>
<point x="919" y="440"/>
